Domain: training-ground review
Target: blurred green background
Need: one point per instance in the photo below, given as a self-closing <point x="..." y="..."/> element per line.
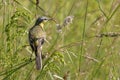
<point x="87" y="49"/>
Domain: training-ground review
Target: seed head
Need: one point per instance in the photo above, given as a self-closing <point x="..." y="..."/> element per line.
<point x="68" y="20"/>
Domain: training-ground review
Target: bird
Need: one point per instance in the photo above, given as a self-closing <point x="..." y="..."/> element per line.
<point x="37" y="36"/>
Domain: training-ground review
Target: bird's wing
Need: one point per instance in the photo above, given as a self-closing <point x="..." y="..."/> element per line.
<point x="31" y="41"/>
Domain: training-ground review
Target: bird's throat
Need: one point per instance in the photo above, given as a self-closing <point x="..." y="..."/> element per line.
<point x="42" y="26"/>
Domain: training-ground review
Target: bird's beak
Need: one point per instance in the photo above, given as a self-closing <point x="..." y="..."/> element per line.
<point x="49" y="19"/>
<point x="53" y="20"/>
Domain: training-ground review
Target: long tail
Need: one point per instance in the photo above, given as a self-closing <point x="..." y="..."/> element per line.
<point x="38" y="58"/>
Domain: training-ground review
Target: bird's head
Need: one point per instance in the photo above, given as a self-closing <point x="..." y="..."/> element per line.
<point x="42" y="20"/>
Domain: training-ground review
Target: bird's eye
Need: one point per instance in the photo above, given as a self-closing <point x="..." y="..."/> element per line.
<point x="45" y="19"/>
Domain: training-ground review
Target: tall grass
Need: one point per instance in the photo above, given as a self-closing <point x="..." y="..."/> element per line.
<point x="86" y="49"/>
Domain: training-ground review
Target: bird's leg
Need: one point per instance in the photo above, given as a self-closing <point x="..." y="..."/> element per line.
<point x="31" y="55"/>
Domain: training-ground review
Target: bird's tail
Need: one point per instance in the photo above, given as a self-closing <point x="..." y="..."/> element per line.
<point x="38" y="58"/>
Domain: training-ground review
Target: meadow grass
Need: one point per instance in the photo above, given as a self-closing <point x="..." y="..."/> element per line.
<point x="86" y="49"/>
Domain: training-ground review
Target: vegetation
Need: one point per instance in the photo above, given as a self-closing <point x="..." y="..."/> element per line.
<point x="86" y="49"/>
